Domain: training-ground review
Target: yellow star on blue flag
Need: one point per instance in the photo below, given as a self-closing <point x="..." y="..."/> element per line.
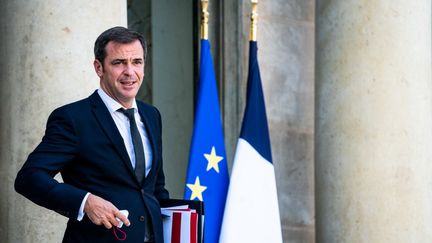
<point x="213" y="160"/>
<point x="197" y="189"/>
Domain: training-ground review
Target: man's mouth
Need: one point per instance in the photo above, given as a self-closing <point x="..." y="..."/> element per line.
<point x="128" y="82"/>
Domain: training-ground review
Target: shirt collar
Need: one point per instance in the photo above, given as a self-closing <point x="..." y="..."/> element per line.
<point x="112" y="104"/>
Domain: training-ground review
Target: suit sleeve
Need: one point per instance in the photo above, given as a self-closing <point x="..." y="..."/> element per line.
<point x="160" y="190"/>
<point x="36" y="180"/>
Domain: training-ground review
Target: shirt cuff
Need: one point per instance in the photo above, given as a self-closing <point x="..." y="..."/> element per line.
<point x="81" y="210"/>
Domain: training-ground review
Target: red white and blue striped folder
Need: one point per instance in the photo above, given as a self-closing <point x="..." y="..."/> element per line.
<point x="183" y="220"/>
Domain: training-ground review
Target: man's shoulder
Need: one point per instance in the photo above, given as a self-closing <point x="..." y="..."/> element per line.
<point x="149" y="112"/>
<point x="146" y="107"/>
<point x="79" y="106"/>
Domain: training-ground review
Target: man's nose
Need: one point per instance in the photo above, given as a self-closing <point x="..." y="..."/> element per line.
<point x="129" y="69"/>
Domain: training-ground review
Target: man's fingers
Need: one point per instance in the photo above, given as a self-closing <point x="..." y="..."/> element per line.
<point x="103" y="212"/>
<point x="123" y="218"/>
<point x="107" y="224"/>
<point x="101" y="221"/>
<point x="112" y="220"/>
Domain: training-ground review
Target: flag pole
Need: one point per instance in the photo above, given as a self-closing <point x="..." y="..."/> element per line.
<point x="254" y="17"/>
<point x="204" y="19"/>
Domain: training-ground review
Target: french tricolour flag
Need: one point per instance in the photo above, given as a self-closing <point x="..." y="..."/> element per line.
<point x="251" y="210"/>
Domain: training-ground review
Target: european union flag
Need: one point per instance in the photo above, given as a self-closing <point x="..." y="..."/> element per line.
<point x="207" y="177"/>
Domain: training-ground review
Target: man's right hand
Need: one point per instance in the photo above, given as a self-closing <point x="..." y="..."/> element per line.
<point x="102" y="212"/>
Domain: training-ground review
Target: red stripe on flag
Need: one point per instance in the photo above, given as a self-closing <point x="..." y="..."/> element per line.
<point x="176" y="226"/>
<point x="193" y="228"/>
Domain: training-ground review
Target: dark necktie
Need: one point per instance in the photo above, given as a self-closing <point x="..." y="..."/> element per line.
<point x="137" y="144"/>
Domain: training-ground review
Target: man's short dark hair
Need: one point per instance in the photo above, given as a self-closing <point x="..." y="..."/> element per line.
<point x="116" y="34"/>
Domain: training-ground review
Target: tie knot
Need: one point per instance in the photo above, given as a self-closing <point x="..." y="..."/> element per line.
<point x="128" y="112"/>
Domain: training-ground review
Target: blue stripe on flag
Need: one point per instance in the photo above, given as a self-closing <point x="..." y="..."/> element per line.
<point x="254" y="127"/>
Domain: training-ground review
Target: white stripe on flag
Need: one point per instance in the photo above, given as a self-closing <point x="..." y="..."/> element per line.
<point x="251" y="210"/>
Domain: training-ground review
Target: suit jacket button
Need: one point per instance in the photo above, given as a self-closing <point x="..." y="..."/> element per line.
<point x="142" y="218"/>
<point x="142" y="191"/>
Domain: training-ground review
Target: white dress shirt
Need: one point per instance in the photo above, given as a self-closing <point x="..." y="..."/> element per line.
<point x="123" y="126"/>
<point x="122" y="123"/>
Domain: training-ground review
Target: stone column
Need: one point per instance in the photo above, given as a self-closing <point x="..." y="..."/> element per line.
<point x="172" y="85"/>
<point x="46" y="61"/>
<point x="373" y="121"/>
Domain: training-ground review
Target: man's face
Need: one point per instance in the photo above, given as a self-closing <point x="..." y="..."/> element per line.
<point x="122" y="72"/>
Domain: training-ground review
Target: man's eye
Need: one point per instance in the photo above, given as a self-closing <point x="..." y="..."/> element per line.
<point x="138" y="62"/>
<point x="118" y="62"/>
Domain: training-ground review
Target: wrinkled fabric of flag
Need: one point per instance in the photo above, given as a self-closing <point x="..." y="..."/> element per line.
<point x="251" y="211"/>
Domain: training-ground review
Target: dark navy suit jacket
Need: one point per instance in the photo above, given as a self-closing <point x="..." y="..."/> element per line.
<point x="82" y="142"/>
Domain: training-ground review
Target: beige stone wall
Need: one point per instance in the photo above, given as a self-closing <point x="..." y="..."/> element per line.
<point x="46" y="61"/>
<point x="373" y="121"/>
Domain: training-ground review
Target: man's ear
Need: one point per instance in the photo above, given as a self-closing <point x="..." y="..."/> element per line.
<point x="98" y="67"/>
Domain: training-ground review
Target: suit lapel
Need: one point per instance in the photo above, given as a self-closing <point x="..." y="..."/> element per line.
<point x="108" y="125"/>
<point x="149" y="126"/>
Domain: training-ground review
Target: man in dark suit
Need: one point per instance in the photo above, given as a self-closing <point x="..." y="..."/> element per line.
<point x="108" y="149"/>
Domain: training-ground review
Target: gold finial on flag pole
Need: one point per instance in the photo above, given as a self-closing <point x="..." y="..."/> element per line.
<point x="254" y="17"/>
<point x="204" y="19"/>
